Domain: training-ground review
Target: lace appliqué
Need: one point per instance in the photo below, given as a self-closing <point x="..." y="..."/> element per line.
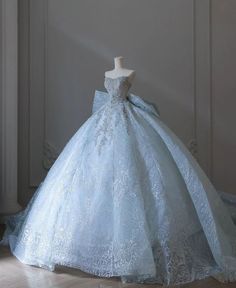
<point x="114" y="111"/>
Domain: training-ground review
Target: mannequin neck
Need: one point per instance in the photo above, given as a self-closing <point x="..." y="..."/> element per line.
<point x="118" y="63"/>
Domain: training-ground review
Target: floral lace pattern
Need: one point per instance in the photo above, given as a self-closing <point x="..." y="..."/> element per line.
<point x="115" y="112"/>
<point x="126" y="198"/>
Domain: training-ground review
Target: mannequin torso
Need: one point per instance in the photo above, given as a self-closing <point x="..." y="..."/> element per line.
<point x="120" y="71"/>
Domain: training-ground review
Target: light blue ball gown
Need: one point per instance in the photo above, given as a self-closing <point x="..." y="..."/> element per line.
<point x="126" y="198"/>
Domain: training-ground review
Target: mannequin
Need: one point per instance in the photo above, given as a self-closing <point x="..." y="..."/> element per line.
<point x="120" y="71"/>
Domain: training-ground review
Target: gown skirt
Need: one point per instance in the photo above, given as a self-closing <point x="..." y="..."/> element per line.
<point x="126" y="198"/>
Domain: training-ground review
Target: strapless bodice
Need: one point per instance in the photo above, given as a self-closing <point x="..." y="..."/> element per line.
<point x="117" y="88"/>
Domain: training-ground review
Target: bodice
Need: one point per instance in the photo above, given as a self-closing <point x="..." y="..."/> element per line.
<point x="117" y="88"/>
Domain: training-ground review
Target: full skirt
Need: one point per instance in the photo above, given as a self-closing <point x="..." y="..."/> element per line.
<point x="126" y="198"/>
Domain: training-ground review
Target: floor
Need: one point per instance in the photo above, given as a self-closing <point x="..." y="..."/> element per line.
<point x="14" y="274"/>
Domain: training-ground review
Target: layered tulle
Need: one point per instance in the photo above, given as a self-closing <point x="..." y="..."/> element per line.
<point x="126" y="198"/>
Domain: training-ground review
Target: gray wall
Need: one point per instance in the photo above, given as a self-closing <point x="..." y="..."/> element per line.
<point x="176" y="49"/>
<point x="8" y="106"/>
<point x="1" y="139"/>
<point x="224" y="94"/>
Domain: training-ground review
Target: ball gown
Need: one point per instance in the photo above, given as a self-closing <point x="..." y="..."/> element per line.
<point x="126" y="198"/>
